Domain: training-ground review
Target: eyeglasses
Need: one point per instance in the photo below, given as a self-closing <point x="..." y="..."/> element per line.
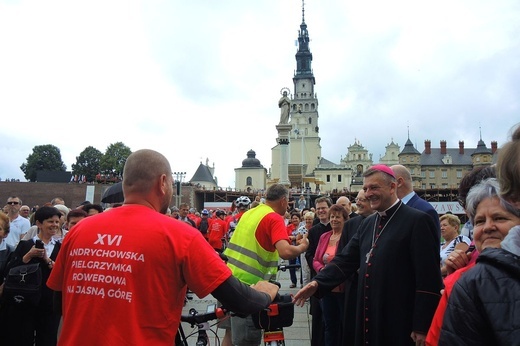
<point x="362" y="200"/>
<point x="13" y="203"/>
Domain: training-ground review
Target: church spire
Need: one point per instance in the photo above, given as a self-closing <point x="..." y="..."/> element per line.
<point x="303" y="11"/>
<point x="303" y="55"/>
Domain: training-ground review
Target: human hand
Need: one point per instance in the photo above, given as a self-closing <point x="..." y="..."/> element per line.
<point x="418" y="338"/>
<point x="34" y="252"/>
<point x="266" y="287"/>
<point x="301" y="297"/>
<point x="304" y="241"/>
<point x="456" y="260"/>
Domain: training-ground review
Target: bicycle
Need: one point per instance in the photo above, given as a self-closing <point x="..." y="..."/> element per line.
<point x="278" y="315"/>
<point x="201" y="321"/>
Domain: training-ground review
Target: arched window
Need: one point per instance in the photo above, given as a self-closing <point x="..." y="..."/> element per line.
<point x="313" y="106"/>
<point x="310" y="121"/>
<point x="249" y="181"/>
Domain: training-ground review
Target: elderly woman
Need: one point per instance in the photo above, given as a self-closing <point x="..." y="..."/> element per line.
<point x="305" y="226"/>
<point x="333" y="303"/>
<point x="450" y="225"/>
<point x="293" y="225"/>
<point x="24" y="323"/>
<point x="492" y="218"/>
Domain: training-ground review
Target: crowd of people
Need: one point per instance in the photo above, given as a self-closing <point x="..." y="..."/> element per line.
<point x="387" y="270"/>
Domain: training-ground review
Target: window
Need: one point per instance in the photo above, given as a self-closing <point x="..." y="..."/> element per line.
<point x="444" y="185"/>
<point x="339" y="178"/>
<point x="423" y="186"/>
<point x="412" y="159"/>
<point x="459" y="173"/>
<point x="432" y="174"/>
<point x="404" y="159"/>
<point x="249" y="181"/>
<point x="444" y="174"/>
<point x="310" y="121"/>
<point x="328" y="178"/>
<point x="423" y="174"/>
<point x="412" y="171"/>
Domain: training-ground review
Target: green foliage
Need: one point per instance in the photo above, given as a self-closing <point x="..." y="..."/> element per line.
<point x="114" y="159"/>
<point x="88" y="163"/>
<point x="43" y="158"/>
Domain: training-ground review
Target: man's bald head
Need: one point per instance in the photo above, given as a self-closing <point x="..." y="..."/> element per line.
<point x="142" y="168"/>
<point x="404" y="180"/>
<point x="345" y="203"/>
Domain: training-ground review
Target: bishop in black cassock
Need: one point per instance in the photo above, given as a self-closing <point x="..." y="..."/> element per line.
<point x="399" y="276"/>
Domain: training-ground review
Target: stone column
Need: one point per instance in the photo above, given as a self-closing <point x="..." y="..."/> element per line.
<point x="283" y="141"/>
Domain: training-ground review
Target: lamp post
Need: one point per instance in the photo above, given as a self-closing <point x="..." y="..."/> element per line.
<point x="178" y="181"/>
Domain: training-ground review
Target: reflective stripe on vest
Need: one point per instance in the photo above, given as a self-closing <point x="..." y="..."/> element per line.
<point x="248" y="261"/>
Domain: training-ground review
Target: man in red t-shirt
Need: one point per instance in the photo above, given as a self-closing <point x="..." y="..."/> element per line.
<point x="123" y="274"/>
<point x="259" y="240"/>
<point x="217" y="230"/>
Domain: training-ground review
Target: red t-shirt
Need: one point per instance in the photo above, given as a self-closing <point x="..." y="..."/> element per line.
<point x="124" y="273"/>
<point x="217" y="230"/>
<point x="271" y="230"/>
<point x="290" y="229"/>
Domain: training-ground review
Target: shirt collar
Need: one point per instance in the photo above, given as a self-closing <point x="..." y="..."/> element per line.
<point x="408" y="197"/>
<point x="391" y="210"/>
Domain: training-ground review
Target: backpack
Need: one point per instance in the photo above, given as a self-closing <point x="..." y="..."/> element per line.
<point x="23" y="285"/>
<point x="203" y="227"/>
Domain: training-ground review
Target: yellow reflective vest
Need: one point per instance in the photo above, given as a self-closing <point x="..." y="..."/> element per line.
<point x="248" y="261"/>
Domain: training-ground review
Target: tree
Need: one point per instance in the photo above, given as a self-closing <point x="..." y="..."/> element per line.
<point x="43" y="158"/>
<point x="114" y="159"/>
<point x="88" y="163"/>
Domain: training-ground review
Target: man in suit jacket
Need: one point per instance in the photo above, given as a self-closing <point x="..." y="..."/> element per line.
<point x="406" y="194"/>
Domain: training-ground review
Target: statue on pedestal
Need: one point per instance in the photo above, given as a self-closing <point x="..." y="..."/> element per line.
<point x="285" y="106"/>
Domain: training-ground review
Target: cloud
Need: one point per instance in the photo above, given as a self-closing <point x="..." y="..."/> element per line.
<point x="202" y="80"/>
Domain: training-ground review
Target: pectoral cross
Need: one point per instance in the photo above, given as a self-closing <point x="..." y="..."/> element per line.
<point x="368" y="255"/>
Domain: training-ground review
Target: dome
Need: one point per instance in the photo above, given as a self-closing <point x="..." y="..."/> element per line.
<point x="251" y="160"/>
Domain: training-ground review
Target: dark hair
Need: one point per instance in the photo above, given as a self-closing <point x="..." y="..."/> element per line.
<point x="295" y="213"/>
<point x="323" y="199"/>
<point x="336" y="208"/>
<point x="45" y="213"/>
<point x="76" y="213"/>
<point x="276" y="192"/>
<point x="88" y="207"/>
<point x="471" y="179"/>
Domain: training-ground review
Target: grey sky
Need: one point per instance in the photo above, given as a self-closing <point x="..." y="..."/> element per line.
<point x="202" y="78"/>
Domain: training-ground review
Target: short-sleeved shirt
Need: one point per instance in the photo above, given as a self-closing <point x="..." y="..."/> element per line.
<point x="271" y="230"/>
<point x="451" y="246"/>
<point x="124" y="273"/>
<point x="17" y="228"/>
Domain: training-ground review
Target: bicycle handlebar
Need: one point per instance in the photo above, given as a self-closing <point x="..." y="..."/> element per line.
<point x="195" y="317"/>
<point x="284" y="267"/>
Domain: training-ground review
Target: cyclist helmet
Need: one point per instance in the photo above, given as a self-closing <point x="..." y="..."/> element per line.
<point x="221" y="212"/>
<point x="242" y="202"/>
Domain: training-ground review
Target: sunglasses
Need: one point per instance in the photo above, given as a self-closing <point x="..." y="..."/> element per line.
<point x="13" y="203"/>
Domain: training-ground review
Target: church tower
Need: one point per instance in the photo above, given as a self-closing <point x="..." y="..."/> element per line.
<point x="304" y="145"/>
